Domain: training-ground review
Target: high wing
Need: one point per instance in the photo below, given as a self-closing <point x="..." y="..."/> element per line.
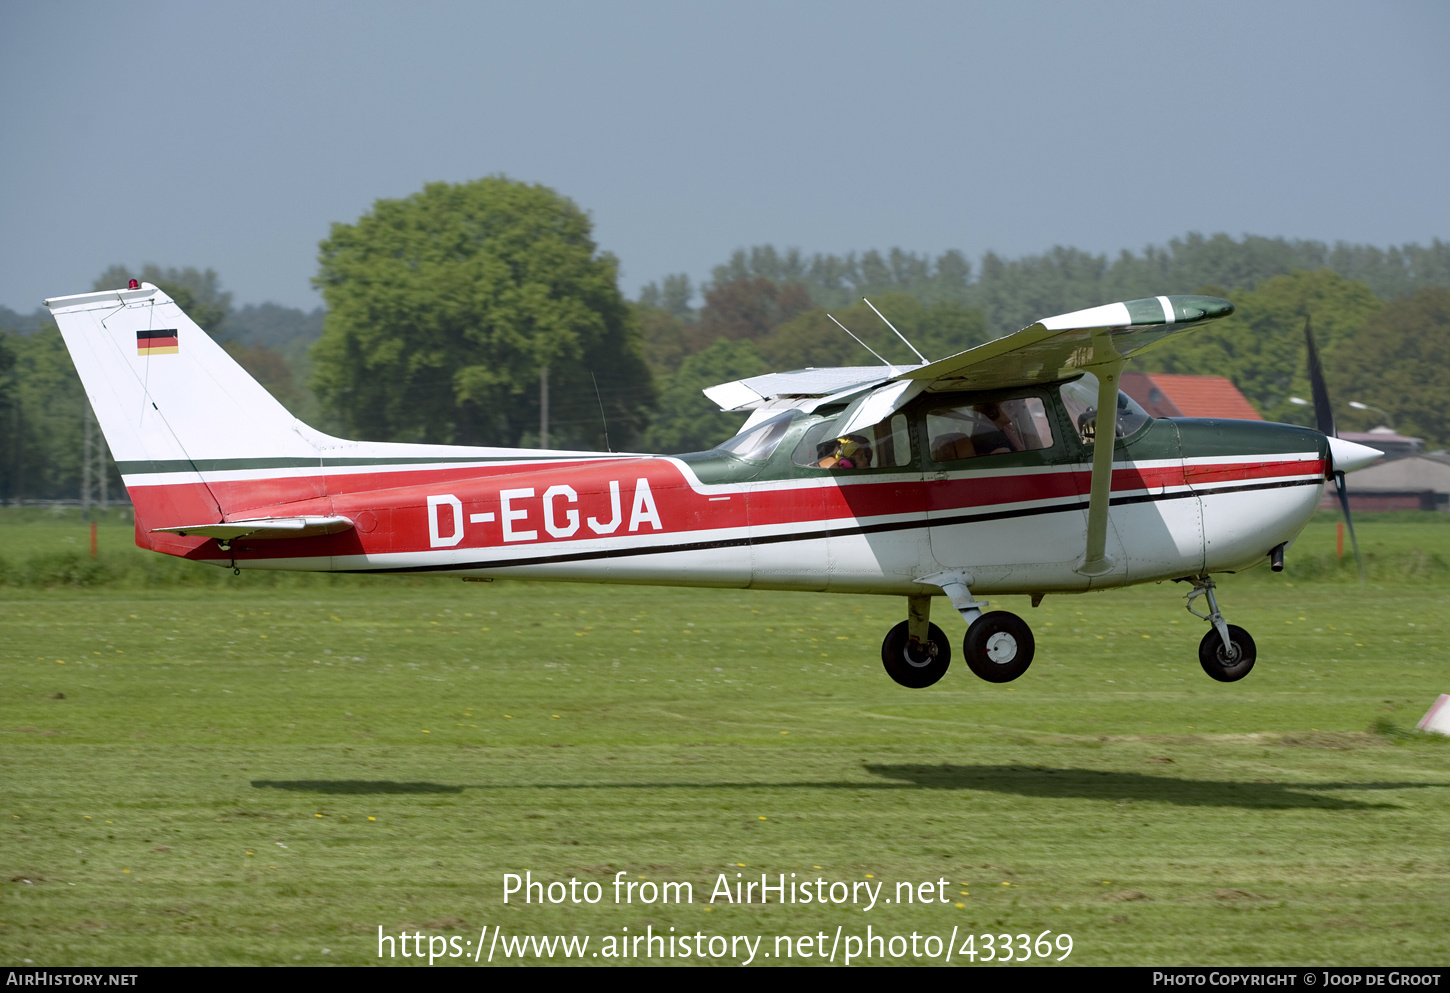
<point x="1057" y="347"/>
<point x="1052" y="349"/>
<point x="1099" y="340"/>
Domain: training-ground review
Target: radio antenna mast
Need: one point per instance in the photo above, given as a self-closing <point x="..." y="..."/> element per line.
<point x="602" y="418"/>
<point x="909" y="345"/>
<point x="862" y="343"/>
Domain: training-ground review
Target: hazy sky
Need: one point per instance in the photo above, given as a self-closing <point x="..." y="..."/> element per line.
<point x="233" y="135"/>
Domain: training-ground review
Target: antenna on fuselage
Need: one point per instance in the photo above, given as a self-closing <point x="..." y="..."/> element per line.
<point x="862" y="343"/>
<point x="924" y="360"/>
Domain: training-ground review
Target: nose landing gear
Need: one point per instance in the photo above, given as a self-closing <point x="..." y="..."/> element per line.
<point x="1226" y="653"/>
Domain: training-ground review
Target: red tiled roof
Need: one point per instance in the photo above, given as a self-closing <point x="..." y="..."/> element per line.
<point x="1192" y="396"/>
<point x="1140" y="386"/>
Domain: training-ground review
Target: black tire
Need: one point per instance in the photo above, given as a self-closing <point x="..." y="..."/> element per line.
<point x="916" y="666"/>
<point x="1220" y="664"/>
<point x="999" y="646"/>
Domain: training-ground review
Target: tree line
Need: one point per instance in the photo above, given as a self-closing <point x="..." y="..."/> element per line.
<point x="484" y="313"/>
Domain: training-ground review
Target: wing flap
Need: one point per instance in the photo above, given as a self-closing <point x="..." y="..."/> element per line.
<point x="799" y="384"/>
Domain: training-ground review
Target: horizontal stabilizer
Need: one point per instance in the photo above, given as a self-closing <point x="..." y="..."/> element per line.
<point x="264" y="527"/>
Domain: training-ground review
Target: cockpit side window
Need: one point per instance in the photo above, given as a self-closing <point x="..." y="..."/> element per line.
<point x="885" y="445"/>
<point x="998" y="427"/>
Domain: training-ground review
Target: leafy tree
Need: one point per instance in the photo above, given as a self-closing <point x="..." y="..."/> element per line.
<point x="271" y="368"/>
<point x="666" y="339"/>
<point x="446" y="308"/>
<point x="840" y="281"/>
<point x="748" y="308"/>
<point x="272" y="342"/>
<point x="1397" y="361"/>
<point x="1015" y="292"/>
<point x="686" y="420"/>
<point x="12" y="424"/>
<point x="24" y="324"/>
<point x="813" y="339"/>
<point x="675" y="297"/>
<point x="275" y="326"/>
<point x="48" y="420"/>
<point x="1261" y="347"/>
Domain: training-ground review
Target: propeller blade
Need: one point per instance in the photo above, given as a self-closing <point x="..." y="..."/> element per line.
<point x="1323" y="412"/>
<point x="1349" y="522"/>
<point x="1324" y="421"/>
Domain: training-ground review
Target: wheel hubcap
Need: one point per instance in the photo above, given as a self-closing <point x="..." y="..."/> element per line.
<point x="1001" y="648"/>
<point x="919" y="661"/>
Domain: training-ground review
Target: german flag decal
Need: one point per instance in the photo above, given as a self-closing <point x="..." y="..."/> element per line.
<point x="156" y="342"/>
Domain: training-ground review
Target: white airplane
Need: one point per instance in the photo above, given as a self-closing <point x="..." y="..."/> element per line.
<point x="972" y="476"/>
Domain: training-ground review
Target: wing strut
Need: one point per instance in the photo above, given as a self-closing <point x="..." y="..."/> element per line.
<point x="1095" y="560"/>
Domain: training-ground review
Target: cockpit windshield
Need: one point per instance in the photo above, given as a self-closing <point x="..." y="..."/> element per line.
<point x="757" y="444"/>
<point x="1080" y="397"/>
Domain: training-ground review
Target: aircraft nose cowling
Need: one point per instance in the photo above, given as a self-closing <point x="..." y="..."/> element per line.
<point x="1348" y="456"/>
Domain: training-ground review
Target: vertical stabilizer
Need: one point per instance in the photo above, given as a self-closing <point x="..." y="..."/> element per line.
<point x="171" y="402"/>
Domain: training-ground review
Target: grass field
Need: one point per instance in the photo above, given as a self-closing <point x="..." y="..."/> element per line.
<point x="205" y="769"/>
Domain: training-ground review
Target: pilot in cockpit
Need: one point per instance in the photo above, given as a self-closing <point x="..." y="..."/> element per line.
<point x="849" y="452"/>
<point x="1000" y="435"/>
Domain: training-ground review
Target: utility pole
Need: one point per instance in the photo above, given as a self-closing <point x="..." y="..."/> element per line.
<point x="86" y="459"/>
<point x="93" y="466"/>
<point x="19" y="453"/>
<point x="544" y="407"/>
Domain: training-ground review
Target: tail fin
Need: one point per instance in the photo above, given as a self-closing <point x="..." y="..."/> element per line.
<point x="171" y="402"/>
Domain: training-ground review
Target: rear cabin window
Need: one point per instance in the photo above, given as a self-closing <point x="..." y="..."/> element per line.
<point x="998" y="427"/>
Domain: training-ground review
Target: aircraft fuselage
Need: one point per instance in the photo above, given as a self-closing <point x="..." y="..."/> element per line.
<point x="1189" y="497"/>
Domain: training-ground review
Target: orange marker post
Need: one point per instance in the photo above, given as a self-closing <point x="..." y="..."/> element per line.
<point x="93" y="539"/>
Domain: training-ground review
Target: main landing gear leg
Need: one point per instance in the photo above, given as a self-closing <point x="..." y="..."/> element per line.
<point x="999" y="645"/>
<point x="916" y="653"/>
<point x="1226" y="653"/>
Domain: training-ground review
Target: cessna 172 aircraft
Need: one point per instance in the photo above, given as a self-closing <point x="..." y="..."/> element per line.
<point x="976" y="475"/>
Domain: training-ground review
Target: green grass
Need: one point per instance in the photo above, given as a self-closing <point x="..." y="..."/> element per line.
<point x="251" y="773"/>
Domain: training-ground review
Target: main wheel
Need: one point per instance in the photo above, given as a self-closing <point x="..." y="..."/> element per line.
<point x="1227" y="666"/>
<point x="999" y="646"/>
<point x="918" y="665"/>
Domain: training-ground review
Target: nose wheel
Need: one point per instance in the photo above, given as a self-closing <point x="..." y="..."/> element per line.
<point x="1227" y="653"/>
<point x="1231" y="663"/>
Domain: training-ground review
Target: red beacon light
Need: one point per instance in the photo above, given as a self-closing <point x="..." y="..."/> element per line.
<point x="133" y="285"/>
